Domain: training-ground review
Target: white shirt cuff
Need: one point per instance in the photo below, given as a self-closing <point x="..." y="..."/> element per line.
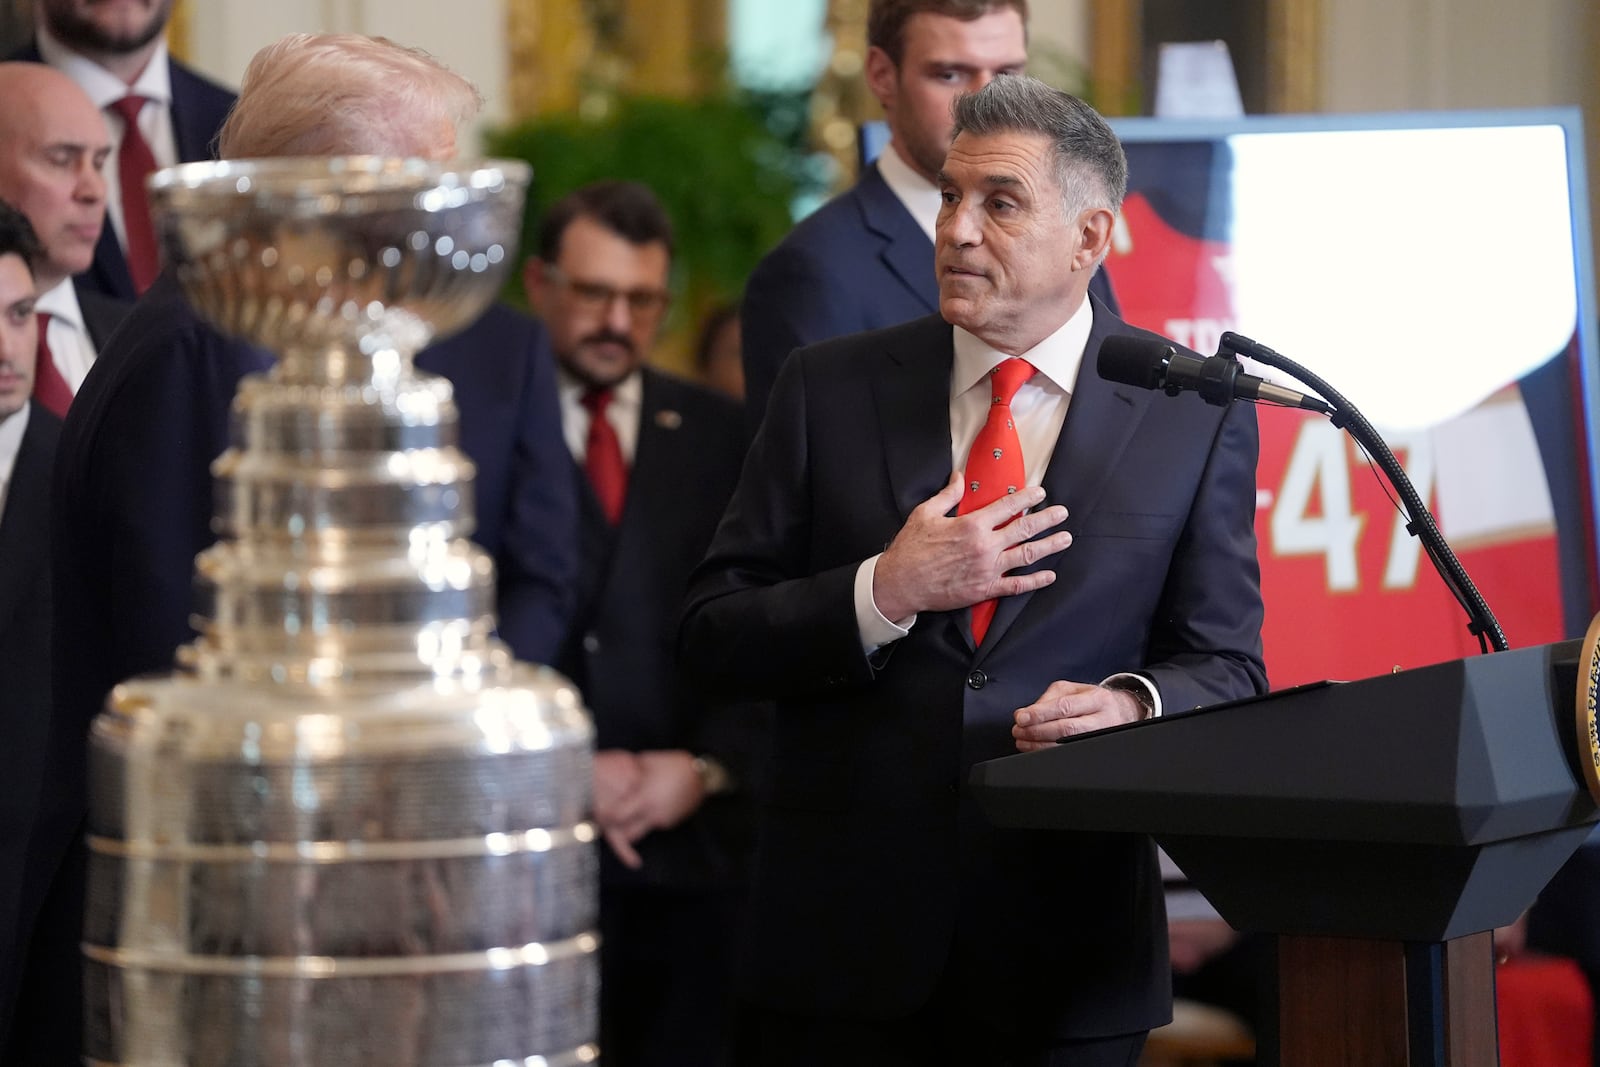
<point x="876" y="631"/>
<point x="1142" y="684"/>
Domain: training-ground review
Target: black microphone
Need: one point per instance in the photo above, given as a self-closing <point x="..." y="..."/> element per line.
<point x="1153" y="364"/>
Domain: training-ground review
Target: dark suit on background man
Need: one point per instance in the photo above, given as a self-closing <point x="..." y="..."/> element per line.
<point x="101" y="314"/>
<point x="24" y="674"/>
<point x="859" y="262"/>
<point x="668" y="928"/>
<point x="199" y="107"/>
<point x="875" y="874"/>
<point x="133" y="506"/>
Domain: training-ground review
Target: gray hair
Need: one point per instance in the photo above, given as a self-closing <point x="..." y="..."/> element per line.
<point x="1090" y="165"/>
<point x="344" y="94"/>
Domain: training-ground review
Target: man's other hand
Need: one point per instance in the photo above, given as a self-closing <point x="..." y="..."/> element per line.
<point x="1070" y="708"/>
<point x="942" y="563"/>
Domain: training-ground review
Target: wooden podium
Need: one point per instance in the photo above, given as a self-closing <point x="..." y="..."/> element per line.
<point x="1381" y="828"/>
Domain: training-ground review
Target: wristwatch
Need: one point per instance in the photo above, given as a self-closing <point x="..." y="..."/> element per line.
<point x="714" y="777"/>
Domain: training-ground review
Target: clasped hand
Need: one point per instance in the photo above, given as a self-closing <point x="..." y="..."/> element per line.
<point x="940" y="562"/>
<point x="637" y="792"/>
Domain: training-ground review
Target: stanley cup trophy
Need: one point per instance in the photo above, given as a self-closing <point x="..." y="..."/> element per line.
<point x="350" y="829"/>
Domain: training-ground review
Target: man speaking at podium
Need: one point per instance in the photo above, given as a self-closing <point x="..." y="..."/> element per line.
<point x="919" y="597"/>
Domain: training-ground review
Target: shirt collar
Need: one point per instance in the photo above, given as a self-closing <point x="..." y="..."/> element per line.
<point x="102" y="86"/>
<point x="1057" y="357"/>
<point x="918" y="194"/>
<point x="60" y="301"/>
<point x="627" y="394"/>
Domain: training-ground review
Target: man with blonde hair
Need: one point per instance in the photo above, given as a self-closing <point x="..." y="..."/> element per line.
<point x="154" y="414"/>
<point x="418" y="113"/>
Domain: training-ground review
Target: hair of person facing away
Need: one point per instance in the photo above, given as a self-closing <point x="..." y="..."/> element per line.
<point x="344" y="94"/>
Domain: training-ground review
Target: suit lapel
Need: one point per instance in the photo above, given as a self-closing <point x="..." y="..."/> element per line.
<point x="649" y="476"/>
<point x="1101" y="420"/>
<point x="25" y="521"/>
<point x="912" y="393"/>
<point x="652" y="455"/>
<point x="193" y="140"/>
<point x="907" y="252"/>
<point x="109" y="271"/>
<point x="101" y="315"/>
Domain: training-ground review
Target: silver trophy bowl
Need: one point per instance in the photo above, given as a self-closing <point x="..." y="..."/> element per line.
<point x="350" y="828"/>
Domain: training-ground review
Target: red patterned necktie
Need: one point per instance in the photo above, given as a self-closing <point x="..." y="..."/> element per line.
<point x="994" y="466"/>
<point x="49" y="388"/>
<point x="602" y="455"/>
<point x="135" y="163"/>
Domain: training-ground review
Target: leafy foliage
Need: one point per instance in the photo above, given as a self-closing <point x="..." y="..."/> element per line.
<point x="726" y="180"/>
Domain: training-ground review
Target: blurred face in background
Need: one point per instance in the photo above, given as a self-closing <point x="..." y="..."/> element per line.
<point x="53" y="148"/>
<point x="19" y="335"/>
<point x="111" y="27"/>
<point x="602" y="300"/>
<point x="943" y="58"/>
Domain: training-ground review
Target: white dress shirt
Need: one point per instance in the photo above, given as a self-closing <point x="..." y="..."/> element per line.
<point x="11" y="430"/>
<point x="627" y="400"/>
<point x="1039" y="410"/>
<point x="105" y="88"/>
<point x="918" y="194"/>
<point x="70" y="345"/>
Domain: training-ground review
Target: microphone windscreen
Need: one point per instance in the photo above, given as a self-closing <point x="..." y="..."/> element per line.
<point x="1138" y="361"/>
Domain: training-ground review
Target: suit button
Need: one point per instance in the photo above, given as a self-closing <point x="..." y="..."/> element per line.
<point x="591" y="643"/>
<point x="977" y="680"/>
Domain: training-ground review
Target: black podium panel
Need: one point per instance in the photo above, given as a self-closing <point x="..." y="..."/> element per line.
<point x="1416" y="806"/>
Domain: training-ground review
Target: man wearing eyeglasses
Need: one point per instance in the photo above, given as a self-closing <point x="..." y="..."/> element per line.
<point x="656" y="459"/>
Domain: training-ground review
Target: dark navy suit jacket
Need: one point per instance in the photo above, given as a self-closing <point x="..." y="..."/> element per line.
<point x="133" y="503"/>
<point x="199" y="107"/>
<point x="875" y="874"/>
<point x="859" y="262"/>
<point x="101" y="314"/>
<point x="24" y="675"/>
<point x="622" y="652"/>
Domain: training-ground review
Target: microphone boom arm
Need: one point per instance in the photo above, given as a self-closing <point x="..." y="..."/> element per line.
<point x="1481" y="621"/>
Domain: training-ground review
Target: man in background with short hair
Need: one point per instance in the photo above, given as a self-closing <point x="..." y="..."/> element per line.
<point x="53" y="148"/>
<point x="160" y="111"/>
<point x="655" y="458"/>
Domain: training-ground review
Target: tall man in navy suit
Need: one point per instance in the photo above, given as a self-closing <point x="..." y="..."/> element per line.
<point x="865" y="259"/>
<point x="27" y="448"/>
<point x="655" y="458"/>
<point x="133" y="502"/>
<point x="1116" y="580"/>
<point x="117" y="53"/>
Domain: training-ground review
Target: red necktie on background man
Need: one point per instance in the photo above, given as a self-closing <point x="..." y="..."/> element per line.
<point x="135" y="163"/>
<point x="602" y="455"/>
<point x="994" y="466"/>
<point x="49" y="388"/>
